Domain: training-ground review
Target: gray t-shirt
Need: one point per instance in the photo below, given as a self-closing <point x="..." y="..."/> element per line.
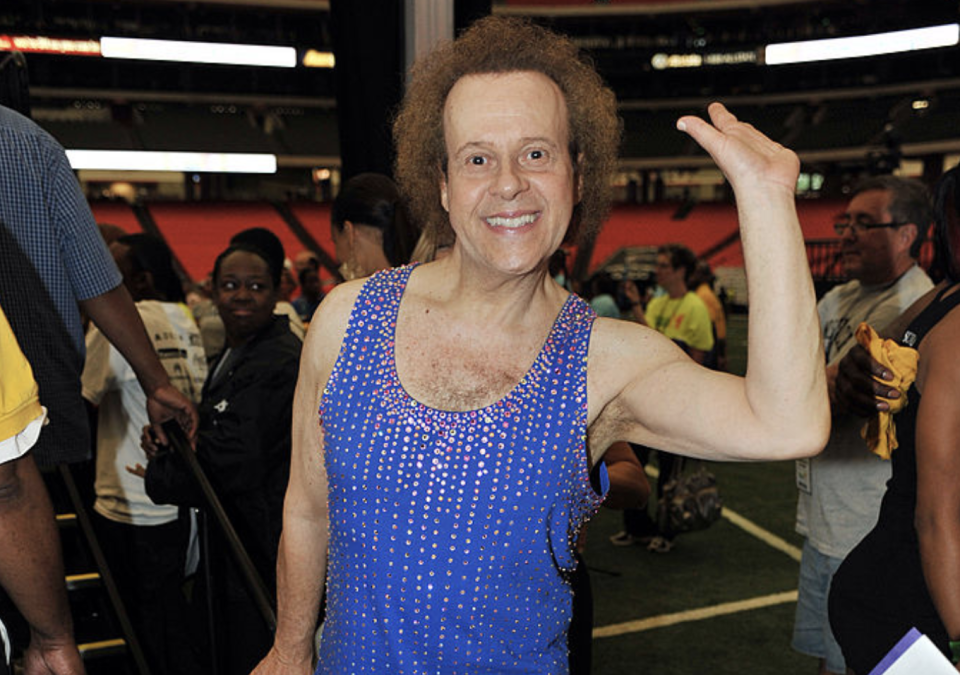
<point x="840" y="489"/>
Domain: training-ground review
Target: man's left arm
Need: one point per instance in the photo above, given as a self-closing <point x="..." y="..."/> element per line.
<point x="116" y="316"/>
<point x="779" y="409"/>
<point x="31" y="570"/>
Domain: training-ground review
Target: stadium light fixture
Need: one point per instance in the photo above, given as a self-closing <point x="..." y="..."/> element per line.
<point x="859" y="46"/>
<point x="195" y="162"/>
<point x="42" y="44"/>
<point x="314" y="58"/>
<point x="198" y="52"/>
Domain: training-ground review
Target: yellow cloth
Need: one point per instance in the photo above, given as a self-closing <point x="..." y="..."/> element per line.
<point x="880" y="432"/>
<point x="19" y="402"/>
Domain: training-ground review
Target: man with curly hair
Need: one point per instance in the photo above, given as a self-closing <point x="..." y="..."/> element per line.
<point x="462" y="403"/>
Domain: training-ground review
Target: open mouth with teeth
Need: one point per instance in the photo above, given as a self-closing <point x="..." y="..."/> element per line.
<point x="511" y="222"/>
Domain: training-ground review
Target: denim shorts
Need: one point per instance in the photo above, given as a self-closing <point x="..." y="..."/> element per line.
<point x="811" y="627"/>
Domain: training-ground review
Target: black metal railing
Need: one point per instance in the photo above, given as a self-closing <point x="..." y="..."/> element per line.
<point x="258" y="590"/>
<point x="106" y="577"/>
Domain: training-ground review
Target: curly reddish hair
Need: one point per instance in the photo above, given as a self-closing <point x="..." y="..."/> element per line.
<point x="498" y="44"/>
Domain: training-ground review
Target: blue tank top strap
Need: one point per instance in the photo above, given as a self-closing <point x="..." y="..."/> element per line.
<point x="365" y="345"/>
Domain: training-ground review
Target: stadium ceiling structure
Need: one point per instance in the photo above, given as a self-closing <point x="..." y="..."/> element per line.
<point x="663" y="59"/>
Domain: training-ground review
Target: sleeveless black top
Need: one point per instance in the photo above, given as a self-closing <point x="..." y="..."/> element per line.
<point x="879" y="592"/>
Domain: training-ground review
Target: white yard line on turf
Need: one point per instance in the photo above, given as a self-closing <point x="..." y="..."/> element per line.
<point x="694" y="614"/>
<point x="750" y="528"/>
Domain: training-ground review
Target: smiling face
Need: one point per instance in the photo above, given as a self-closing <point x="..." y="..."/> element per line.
<point x="244" y="293"/>
<point x="510" y="182"/>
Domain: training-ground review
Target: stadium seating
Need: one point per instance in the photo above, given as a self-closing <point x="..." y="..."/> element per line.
<point x="116" y="213"/>
<point x="198" y="232"/>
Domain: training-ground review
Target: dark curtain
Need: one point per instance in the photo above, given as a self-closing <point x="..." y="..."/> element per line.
<point x="368" y="47"/>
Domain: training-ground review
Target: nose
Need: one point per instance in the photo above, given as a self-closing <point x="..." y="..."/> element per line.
<point x="509" y="181"/>
<point x="242" y="292"/>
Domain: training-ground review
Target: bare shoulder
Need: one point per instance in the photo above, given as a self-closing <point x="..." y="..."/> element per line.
<point x="327" y="329"/>
<point x="939" y="351"/>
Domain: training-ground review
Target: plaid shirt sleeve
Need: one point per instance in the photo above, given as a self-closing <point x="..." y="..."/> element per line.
<point x="88" y="263"/>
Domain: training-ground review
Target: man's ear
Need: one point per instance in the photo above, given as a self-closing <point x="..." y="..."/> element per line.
<point x="444" y="199"/>
<point x="578" y="179"/>
<point x="909" y="233"/>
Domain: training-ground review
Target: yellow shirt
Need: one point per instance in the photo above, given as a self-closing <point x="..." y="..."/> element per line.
<point x="19" y="395"/>
<point x="684" y="319"/>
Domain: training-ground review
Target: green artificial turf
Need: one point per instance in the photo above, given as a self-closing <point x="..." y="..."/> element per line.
<point x="720" y="565"/>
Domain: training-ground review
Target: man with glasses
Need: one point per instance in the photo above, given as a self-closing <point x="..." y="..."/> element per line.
<point x="880" y="237"/>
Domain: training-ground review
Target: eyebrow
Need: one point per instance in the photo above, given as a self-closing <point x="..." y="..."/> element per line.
<point x="234" y="275"/>
<point x="523" y="141"/>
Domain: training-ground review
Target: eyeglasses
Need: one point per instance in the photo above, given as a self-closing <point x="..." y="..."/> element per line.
<point x="860" y="224"/>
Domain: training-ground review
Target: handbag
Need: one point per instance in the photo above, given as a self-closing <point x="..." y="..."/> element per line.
<point x="690" y="501"/>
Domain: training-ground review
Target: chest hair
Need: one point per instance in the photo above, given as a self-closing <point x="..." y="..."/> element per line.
<point x="458" y="366"/>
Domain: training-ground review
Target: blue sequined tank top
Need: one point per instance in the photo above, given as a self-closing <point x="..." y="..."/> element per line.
<point x="451" y="533"/>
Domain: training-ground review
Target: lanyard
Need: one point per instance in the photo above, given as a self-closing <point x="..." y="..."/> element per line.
<point x="661" y="323"/>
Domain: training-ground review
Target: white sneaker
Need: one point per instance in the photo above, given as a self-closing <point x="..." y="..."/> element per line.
<point x="624" y="538"/>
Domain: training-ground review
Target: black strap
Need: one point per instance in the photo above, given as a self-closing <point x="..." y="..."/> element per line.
<point x="938" y="308"/>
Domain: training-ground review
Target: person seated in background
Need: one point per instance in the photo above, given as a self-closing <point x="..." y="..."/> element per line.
<point x="701" y="281"/>
<point x="906" y="572"/>
<point x="243" y="443"/>
<point x="145" y="544"/>
<point x="310" y="296"/>
<point x="371" y="228"/>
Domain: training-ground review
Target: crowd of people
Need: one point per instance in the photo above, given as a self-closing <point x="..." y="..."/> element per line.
<point x="411" y="458"/>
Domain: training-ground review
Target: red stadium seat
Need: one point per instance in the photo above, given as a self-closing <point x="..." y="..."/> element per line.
<point x="198" y="232"/>
<point x="706" y="226"/>
<point x="315" y="218"/>
<point x="116" y="213"/>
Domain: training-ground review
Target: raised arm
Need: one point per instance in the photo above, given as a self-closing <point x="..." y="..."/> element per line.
<point x="116" y="316"/>
<point x="938" y="470"/>
<point x="302" y="560"/>
<point x="780" y="409"/>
